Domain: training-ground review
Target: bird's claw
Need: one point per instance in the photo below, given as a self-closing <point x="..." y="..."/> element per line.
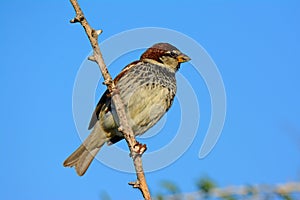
<point x="139" y="148"/>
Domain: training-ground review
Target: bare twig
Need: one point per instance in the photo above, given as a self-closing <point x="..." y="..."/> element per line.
<point x="116" y="100"/>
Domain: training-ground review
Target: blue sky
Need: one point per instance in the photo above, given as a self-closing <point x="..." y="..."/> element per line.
<point x="254" y="44"/>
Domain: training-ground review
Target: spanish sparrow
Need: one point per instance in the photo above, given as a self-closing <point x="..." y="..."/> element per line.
<point x="147" y="88"/>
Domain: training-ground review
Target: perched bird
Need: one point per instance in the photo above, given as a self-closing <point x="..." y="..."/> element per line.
<point x="147" y="88"/>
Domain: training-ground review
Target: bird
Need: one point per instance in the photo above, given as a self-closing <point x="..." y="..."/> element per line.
<point x="147" y="88"/>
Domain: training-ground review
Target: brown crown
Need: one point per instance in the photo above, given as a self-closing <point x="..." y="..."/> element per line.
<point x="157" y="50"/>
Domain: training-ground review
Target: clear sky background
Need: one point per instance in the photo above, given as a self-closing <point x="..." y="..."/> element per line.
<point x="255" y="44"/>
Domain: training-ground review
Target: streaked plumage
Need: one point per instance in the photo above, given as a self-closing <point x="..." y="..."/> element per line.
<point x="147" y="88"/>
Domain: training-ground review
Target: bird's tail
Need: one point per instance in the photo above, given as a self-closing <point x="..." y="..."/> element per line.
<point x="84" y="155"/>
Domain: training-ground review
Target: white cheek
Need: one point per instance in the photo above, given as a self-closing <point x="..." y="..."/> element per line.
<point x="171" y="62"/>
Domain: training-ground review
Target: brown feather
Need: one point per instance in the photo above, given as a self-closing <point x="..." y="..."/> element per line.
<point x="105" y="97"/>
<point x="147" y="87"/>
<point x="157" y="51"/>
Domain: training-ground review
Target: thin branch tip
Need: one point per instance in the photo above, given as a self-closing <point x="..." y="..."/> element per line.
<point x="135" y="184"/>
<point x="99" y="31"/>
<point x="76" y="19"/>
<point x="92" y="58"/>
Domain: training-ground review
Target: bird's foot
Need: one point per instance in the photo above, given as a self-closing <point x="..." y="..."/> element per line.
<point x="139" y="148"/>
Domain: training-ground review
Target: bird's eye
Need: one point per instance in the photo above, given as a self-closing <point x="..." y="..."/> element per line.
<point x="172" y="53"/>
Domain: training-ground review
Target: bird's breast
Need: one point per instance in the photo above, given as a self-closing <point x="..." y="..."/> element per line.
<point x="147" y="92"/>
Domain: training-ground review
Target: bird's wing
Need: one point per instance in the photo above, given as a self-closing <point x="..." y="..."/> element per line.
<point x="125" y="70"/>
<point x="106" y="98"/>
<point x="95" y="116"/>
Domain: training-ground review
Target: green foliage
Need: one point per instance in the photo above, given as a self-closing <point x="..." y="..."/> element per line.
<point x="170" y="187"/>
<point x="228" y="197"/>
<point x="205" y="185"/>
<point x="159" y="197"/>
<point x="285" y="196"/>
<point x="207" y="189"/>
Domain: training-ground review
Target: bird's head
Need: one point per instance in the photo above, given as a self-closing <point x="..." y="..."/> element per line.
<point x="166" y="54"/>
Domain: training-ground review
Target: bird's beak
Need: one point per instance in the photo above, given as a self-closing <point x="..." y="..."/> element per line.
<point x="183" y="58"/>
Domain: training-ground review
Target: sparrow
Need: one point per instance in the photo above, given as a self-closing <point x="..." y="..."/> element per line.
<point x="147" y="88"/>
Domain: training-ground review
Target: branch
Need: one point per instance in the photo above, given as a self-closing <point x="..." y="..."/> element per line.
<point x="136" y="149"/>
